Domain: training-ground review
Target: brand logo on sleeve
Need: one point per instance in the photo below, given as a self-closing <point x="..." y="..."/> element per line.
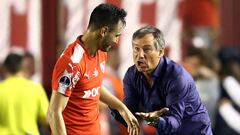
<point x="75" y="79"/>
<point x="72" y="66"/>
<point x="87" y="75"/>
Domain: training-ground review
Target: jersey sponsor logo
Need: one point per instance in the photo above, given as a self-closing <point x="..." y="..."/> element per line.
<point x="91" y="93"/>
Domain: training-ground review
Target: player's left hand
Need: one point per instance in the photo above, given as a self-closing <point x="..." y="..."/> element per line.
<point x="133" y="125"/>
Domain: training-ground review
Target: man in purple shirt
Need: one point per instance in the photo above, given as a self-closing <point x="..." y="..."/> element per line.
<point x="160" y="85"/>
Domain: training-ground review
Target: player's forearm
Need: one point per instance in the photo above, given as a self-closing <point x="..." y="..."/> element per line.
<point x="57" y="104"/>
<point x="111" y="100"/>
<point x="56" y="123"/>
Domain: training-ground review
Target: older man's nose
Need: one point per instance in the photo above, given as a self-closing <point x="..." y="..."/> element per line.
<point x="141" y="53"/>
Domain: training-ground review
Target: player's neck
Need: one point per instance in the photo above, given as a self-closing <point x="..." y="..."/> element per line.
<point x="9" y="75"/>
<point x="90" y="42"/>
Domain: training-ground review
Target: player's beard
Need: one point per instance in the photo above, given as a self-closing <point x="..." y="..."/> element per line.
<point x="105" y="45"/>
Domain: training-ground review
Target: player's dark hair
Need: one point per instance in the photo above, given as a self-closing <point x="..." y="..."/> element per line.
<point x="12" y="63"/>
<point x="106" y="15"/>
<point x="157" y="34"/>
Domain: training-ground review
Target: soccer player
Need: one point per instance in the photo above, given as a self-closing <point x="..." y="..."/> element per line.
<point x="78" y="75"/>
<point x="166" y="91"/>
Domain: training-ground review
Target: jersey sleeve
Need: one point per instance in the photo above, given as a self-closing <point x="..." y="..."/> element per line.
<point x="65" y="75"/>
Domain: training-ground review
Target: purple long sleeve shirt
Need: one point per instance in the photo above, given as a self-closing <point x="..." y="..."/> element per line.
<point x="174" y="88"/>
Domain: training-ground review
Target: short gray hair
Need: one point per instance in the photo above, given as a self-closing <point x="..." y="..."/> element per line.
<point x="157" y="34"/>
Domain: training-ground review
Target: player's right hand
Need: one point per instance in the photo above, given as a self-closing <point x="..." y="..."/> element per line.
<point x="133" y="125"/>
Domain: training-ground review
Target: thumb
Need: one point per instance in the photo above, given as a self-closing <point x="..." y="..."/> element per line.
<point x="163" y="111"/>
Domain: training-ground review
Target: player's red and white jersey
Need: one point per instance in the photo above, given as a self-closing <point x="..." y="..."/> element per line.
<point x="79" y="76"/>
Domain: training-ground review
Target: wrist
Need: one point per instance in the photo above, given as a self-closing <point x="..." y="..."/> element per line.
<point x="122" y="108"/>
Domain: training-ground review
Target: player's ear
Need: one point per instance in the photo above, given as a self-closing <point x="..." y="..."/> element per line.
<point x="104" y="30"/>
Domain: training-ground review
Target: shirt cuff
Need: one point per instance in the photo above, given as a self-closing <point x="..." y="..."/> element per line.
<point x="161" y="124"/>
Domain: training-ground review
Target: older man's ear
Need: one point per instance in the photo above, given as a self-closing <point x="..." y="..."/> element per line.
<point x="161" y="52"/>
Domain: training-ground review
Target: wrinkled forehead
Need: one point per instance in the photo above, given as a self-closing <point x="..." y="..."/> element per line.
<point x="146" y="39"/>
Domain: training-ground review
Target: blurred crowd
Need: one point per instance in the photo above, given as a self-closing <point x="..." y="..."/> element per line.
<point x="214" y="67"/>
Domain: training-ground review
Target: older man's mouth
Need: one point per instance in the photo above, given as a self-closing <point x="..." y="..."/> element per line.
<point x="141" y="64"/>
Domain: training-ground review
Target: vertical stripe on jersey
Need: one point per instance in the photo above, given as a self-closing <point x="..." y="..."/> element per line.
<point x="77" y="54"/>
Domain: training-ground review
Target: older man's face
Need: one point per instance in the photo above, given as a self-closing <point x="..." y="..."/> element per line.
<point x="145" y="55"/>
